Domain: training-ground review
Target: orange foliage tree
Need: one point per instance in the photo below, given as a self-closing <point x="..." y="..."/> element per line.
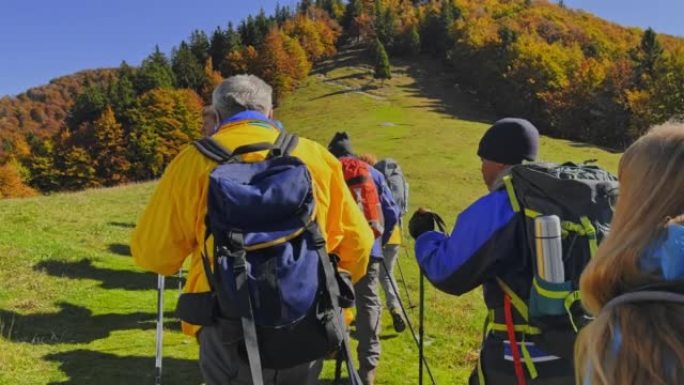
<point x="316" y="32"/>
<point x="11" y="183"/>
<point x="282" y="62"/>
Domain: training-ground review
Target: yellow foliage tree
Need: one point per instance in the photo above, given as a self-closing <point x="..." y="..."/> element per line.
<point x="213" y="78"/>
<point x="241" y="61"/>
<point x="316" y="32"/>
<point x="11" y="184"/>
<point x="283" y="62"/>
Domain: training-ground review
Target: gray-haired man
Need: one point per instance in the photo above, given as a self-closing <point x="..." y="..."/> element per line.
<point x="173" y="228"/>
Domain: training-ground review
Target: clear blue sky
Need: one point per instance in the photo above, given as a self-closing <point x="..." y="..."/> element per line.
<point x="43" y="39"/>
<point x="664" y="16"/>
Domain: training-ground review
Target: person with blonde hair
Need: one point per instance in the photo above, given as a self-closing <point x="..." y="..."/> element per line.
<point x="634" y="286"/>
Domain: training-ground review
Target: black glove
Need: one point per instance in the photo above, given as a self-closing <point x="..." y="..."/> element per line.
<point x="422" y="221"/>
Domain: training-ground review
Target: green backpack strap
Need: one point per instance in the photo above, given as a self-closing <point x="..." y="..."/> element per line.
<point x="508" y="183"/>
<point x="521" y="307"/>
<point x="570" y="300"/>
<point x="590" y="232"/>
<point x="516" y="301"/>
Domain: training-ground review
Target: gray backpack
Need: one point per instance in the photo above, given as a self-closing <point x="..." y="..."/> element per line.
<point x="396" y="181"/>
<point x="582" y="196"/>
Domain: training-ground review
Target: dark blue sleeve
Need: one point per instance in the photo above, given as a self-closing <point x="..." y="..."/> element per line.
<point x="390" y="210"/>
<point x="480" y="238"/>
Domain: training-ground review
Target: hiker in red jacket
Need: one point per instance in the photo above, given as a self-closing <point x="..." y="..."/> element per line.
<point x="368" y="306"/>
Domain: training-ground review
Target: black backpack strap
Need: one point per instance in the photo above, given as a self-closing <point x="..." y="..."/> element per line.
<point x="237" y="252"/>
<point x="216" y="152"/>
<point x="212" y="150"/>
<point x="339" y="358"/>
<point x="290" y="144"/>
<point x="644" y="296"/>
<point x="282" y="136"/>
<point x="252" y="147"/>
<point x="284" y="144"/>
<point x="334" y="292"/>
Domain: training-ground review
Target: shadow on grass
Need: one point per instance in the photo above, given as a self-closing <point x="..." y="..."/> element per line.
<point x="348" y="56"/>
<point x="434" y="81"/>
<point x="90" y="367"/>
<point x="120" y="249"/>
<point x="439" y="86"/>
<point x="356" y="75"/>
<point x="74" y="324"/>
<point x="363" y="88"/>
<point x="109" y="278"/>
<point x="127" y="225"/>
<point x="387" y="336"/>
<point x="589" y="145"/>
<point x="343" y="381"/>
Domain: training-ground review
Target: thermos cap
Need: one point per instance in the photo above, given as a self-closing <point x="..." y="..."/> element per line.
<point x="548" y="226"/>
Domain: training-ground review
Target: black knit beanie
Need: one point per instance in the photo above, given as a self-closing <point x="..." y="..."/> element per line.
<point x="340" y="145"/>
<point x="510" y="141"/>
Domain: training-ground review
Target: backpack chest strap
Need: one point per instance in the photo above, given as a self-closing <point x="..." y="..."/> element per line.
<point x="284" y="144"/>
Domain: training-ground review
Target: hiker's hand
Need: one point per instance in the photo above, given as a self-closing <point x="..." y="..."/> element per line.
<point x="421" y="221"/>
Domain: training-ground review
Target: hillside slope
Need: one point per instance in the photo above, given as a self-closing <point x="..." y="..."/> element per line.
<point x="573" y="74"/>
<point x="42" y="110"/>
<point x="75" y="310"/>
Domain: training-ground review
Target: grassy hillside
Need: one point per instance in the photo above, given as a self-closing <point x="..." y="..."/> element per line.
<point x="74" y="309"/>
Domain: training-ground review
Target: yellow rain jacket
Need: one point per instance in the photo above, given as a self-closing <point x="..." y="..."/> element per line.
<point x="172" y="226"/>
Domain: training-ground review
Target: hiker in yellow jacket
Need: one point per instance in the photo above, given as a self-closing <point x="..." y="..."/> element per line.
<point x="172" y="227"/>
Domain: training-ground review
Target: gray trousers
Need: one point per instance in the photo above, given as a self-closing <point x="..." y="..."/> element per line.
<point x="221" y="364"/>
<point x="368" y="309"/>
<point x="391" y="253"/>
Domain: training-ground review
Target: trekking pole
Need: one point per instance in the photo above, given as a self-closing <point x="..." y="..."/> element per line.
<point x="421" y="306"/>
<point x="401" y="271"/>
<point x="403" y="280"/>
<point x="338" y="367"/>
<point x="180" y="281"/>
<point x="411" y="329"/>
<point x="421" y="327"/>
<point x="160" y="329"/>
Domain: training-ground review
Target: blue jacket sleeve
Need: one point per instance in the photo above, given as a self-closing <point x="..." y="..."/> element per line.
<point x="481" y="238"/>
<point x="390" y="210"/>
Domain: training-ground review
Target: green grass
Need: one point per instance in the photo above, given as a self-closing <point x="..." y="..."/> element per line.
<point x="75" y="310"/>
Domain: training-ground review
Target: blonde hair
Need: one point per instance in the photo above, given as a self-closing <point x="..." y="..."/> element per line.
<point x="369" y="158"/>
<point x="651" y="174"/>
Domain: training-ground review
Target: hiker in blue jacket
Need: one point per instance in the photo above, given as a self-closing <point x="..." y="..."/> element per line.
<point x="488" y="241"/>
<point x="368" y="305"/>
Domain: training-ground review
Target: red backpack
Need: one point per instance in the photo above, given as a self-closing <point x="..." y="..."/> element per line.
<point x="357" y="174"/>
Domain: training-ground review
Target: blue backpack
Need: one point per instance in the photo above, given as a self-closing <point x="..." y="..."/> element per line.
<point x="270" y="268"/>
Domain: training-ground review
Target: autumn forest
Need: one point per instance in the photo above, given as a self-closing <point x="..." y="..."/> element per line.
<point x="574" y="75"/>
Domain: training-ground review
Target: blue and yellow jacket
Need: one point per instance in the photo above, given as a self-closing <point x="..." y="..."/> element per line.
<point x="489" y="241"/>
<point x="172" y="228"/>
